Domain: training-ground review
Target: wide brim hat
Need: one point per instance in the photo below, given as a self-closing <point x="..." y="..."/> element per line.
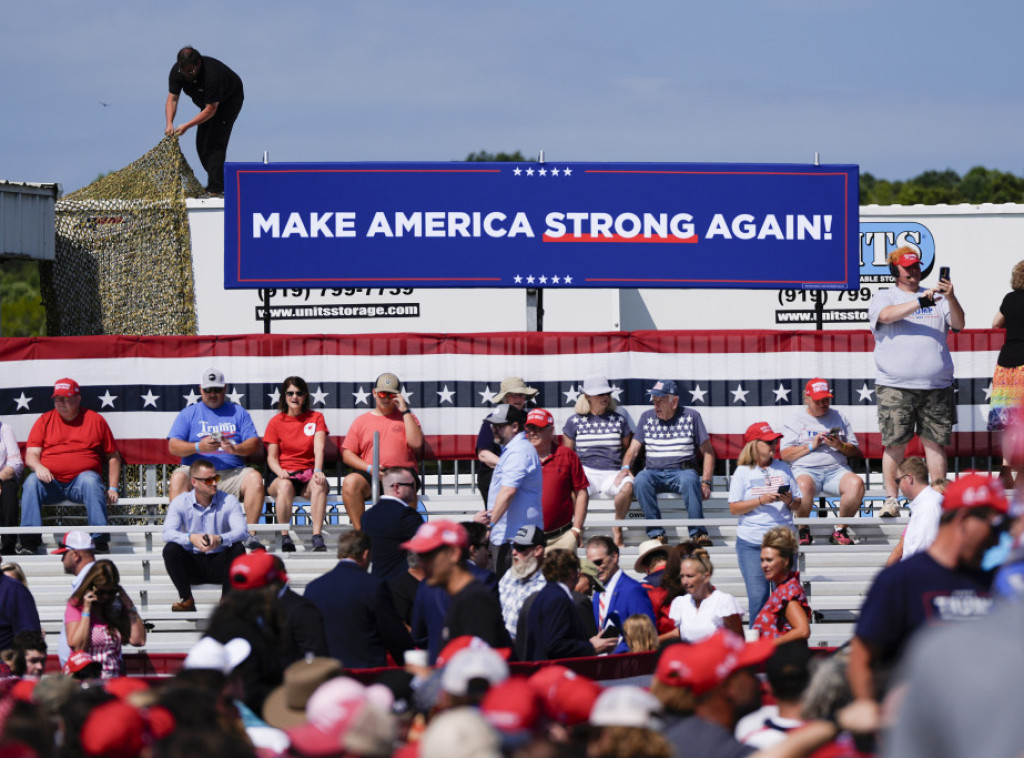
<point x="516" y="385"/>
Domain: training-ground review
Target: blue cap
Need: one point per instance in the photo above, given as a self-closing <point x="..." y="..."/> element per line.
<point x="663" y="387"/>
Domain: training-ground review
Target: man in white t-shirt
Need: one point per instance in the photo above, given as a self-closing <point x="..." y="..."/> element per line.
<point x="817" y="443"/>
<point x="914" y="377"/>
<point x="925" y="510"/>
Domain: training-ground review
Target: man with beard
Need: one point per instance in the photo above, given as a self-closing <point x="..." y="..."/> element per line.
<point x="524" y="577"/>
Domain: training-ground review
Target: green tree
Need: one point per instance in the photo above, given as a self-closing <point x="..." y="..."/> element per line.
<point x="483" y="155"/>
<point x="979" y="185"/>
<point x="21" y="308"/>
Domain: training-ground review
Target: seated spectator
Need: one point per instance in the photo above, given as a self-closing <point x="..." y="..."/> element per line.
<point x="11" y="466"/>
<point x="401" y="441"/>
<point x="296" y="439"/>
<point x="925" y="509"/>
<point x="221" y="432"/>
<point x="818" y="442"/>
<point x="29" y="654"/>
<point x="786" y="616"/>
<point x="676" y="445"/>
<point x="392" y="520"/>
<point x="100" y="617"/>
<point x="702" y="609"/>
<point x="65" y="453"/>
<point x="564" y="497"/>
<point x="515" y="392"/>
<point x="600" y="436"/>
<point x="204" y="531"/>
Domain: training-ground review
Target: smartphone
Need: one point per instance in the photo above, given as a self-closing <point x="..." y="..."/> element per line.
<point x="834" y="431"/>
<point x="783" y="489"/>
<point x="944" y="273"/>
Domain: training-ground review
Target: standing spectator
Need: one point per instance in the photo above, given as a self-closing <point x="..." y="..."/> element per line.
<point x="17" y="611"/>
<point x="391" y="521"/>
<point x="204" y="532"/>
<point x="674" y="440"/>
<point x="785" y="616"/>
<point x="77" y="554"/>
<point x="763" y="494"/>
<point x="11" y="466"/>
<point x="304" y="624"/>
<point x="914" y="380"/>
<point x="29" y="654"/>
<point x="218" y="93"/>
<point x="622" y="596"/>
<point x="359" y="614"/>
<point x="788" y="674"/>
<point x="818" y="442"/>
<point x="296" y="439"/>
<point x="14" y="571"/>
<point x="600" y="435"/>
<point x="1008" y="382"/>
<point x="65" y="452"/>
<point x="941" y="585"/>
<point x="100" y="618"/>
<point x="703" y="608"/>
<point x="515" y="392"/>
<point x="565" y="497"/>
<point x="219" y="431"/>
<point x="514" y="499"/>
<point x="401" y="441"/>
<point x="524" y="577"/>
<point x="925" y="510"/>
<point x="652" y="560"/>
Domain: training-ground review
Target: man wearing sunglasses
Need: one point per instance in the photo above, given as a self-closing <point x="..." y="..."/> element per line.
<point x="218" y="430"/>
<point x="941" y="585"/>
<point x="401" y="441"/>
<point x="204" y="530"/>
<point x="391" y="521"/>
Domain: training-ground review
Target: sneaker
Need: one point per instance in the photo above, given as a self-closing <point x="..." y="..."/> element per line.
<point x="253" y="543"/>
<point x="840" y="537"/>
<point x="184" y="606"/>
<point x="890" y="508"/>
<point x="318" y="544"/>
<point x="806" y="538"/>
<point x="703" y="540"/>
<point x="287" y="546"/>
<point x="25" y="550"/>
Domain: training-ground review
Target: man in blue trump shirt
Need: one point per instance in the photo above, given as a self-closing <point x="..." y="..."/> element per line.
<point x="204" y="531"/>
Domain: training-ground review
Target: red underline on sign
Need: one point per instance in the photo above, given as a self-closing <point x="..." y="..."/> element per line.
<point x="592" y="238"/>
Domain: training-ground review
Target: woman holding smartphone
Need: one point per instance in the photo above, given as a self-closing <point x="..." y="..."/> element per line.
<point x="100" y="617"/>
<point x="763" y="493"/>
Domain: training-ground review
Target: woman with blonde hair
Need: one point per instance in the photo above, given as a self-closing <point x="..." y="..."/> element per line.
<point x="640" y="634"/>
<point x="786" y="615"/>
<point x="100" y="616"/>
<point x="1008" y="380"/>
<point x="702" y="609"/>
<point x="764" y="494"/>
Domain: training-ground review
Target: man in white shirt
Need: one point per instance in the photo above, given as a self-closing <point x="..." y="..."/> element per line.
<point x="925" y="510"/>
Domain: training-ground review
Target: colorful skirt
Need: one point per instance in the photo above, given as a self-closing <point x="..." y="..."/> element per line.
<point x="1007" y="396"/>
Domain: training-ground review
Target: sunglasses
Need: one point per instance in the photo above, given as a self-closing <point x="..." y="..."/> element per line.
<point x="207" y="480"/>
<point x="384" y="395"/>
<point x="295" y="393"/>
<point x="403" y="484"/>
<point x="213" y="390"/>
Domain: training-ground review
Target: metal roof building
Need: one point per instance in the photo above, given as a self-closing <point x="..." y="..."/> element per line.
<point x="27" y="219"/>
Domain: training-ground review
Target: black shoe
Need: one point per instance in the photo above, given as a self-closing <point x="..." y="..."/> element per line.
<point x="287" y="546"/>
<point x="102" y="547"/>
<point x="26" y="550"/>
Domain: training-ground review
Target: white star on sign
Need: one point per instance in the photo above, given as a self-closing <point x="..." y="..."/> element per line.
<point x="529" y="280"/>
<point x="567" y="171"/>
<point x="518" y="279"/>
<point x="360" y="396"/>
<point x="518" y="171"/>
<point x="319" y="396"/>
<point x="273" y="397"/>
<point x="988" y="391"/>
<point x="572" y="395"/>
<point x="567" y="279"/>
<point x="542" y="172"/>
<point x="864" y="393"/>
<point x="405" y="394"/>
<point x="697" y="395"/>
<point x="616" y="392"/>
<point x="107" y="399"/>
<point x="739" y="395"/>
<point x="529" y="172"/>
<point x="236" y="397"/>
<point x="554" y="172"/>
<point x="22" y="402"/>
<point x="543" y="280"/>
<point x="445" y="395"/>
<point x="192" y="398"/>
<point x="554" y="280"/>
<point x="486" y="396"/>
<point x="781" y="394"/>
<point x="150" y="399"/>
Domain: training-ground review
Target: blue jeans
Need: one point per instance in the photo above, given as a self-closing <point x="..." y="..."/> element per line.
<point x="87" y="488"/>
<point x="758" y="588"/>
<point x="650" y="482"/>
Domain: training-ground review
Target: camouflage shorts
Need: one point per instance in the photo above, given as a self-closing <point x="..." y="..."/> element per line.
<point x="903" y="413"/>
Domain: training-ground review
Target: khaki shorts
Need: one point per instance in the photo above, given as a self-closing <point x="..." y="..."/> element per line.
<point x="230" y="479"/>
<point x="902" y="413"/>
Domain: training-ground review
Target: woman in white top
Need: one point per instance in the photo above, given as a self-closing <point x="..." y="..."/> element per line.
<point x="11" y="466"/>
<point x="763" y="493"/>
<point x="703" y="610"/>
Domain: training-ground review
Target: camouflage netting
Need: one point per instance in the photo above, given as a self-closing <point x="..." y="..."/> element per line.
<point x="124" y="262"/>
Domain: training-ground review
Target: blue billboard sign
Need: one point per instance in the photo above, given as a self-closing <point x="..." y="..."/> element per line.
<point x="563" y="225"/>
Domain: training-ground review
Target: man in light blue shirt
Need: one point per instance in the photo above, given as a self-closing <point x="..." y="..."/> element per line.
<point x="205" y="530"/>
<point x="514" y="497"/>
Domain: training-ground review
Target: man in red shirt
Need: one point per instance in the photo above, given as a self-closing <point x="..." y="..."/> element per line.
<point x="401" y="441"/>
<point x="65" y="452"/>
<point x="565" y="495"/>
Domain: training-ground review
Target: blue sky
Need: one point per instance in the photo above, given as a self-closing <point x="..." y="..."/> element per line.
<point x="897" y="87"/>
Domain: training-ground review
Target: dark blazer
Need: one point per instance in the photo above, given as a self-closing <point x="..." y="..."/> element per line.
<point x="304" y="628"/>
<point x="554" y="628"/>
<point x="389" y="523"/>
<point x="360" y="620"/>
<point x="628" y="599"/>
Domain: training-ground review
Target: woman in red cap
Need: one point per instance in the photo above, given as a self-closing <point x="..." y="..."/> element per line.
<point x="764" y="494"/>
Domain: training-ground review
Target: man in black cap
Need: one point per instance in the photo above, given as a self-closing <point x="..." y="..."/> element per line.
<point x="524" y="576"/>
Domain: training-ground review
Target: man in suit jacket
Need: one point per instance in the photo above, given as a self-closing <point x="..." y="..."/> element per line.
<point x="391" y="521"/>
<point x="359" y="615"/>
<point x="554" y="628"/>
<point x="623" y="596"/>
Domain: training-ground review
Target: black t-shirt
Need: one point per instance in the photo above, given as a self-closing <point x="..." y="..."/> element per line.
<point x="1012" y="308"/>
<point x="215" y="83"/>
<point x="476" y="611"/>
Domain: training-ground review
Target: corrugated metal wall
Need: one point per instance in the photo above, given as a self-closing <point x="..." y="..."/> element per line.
<point x="27" y="219"/>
